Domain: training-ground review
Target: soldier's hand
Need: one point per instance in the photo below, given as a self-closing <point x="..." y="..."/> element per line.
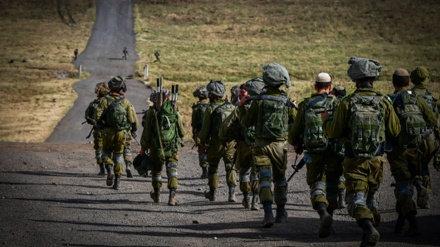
<point x="244" y="99"/>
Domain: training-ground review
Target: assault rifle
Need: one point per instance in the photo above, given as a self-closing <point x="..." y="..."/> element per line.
<point x="296" y="168"/>
<point x="92" y="122"/>
<point x="159" y="99"/>
<point x="174" y="95"/>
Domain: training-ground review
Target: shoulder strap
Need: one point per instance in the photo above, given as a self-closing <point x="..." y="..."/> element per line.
<point x="286" y="102"/>
<point x="316" y="100"/>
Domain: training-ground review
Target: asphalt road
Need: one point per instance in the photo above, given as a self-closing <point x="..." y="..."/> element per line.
<point x="102" y="58"/>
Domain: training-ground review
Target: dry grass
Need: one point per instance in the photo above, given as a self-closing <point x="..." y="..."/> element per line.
<point x="36" y="89"/>
<point x="203" y="40"/>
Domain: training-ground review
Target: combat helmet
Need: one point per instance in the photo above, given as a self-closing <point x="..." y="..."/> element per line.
<point x="216" y="88"/>
<point x="101" y="88"/>
<point x="117" y="83"/>
<point x="275" y="75"/>
<point x="362" y="68"/>
<point x="201" y="92"/>
<point x="254" y="86"/>
<point x="420" y="76"/>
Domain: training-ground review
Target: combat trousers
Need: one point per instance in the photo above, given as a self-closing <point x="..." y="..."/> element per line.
<point x="98" y="145"/>
<point x="246" y="168"/>
<point x="171" y="169"/>
<point x="113" y="148"/>
<point x="216" y="151"/>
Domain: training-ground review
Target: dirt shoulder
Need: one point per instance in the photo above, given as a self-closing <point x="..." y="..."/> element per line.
<point x="50" y="195"/>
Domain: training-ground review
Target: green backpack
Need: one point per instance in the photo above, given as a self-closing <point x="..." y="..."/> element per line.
<point x="91" y="109"/>
<point x="199" y="111"/>
<point x="272" y="122"/>
<point x="115" y="115"/>
<point x="168" y="123"/>
<point x="412" y="123"/>
<point x="218" y="116"/>
<point x="313" y="137"/>
<point x="366" y="124"/>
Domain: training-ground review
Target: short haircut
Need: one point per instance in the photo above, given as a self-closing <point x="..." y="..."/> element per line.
<point x="400" y="81"/>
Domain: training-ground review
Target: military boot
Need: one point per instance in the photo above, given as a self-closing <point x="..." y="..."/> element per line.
<point x="128" y="169"/>
<point x="155" y="195"/>
<point x="413" y="225"/>
<point x="370" y="236"/>
<point x="268" y="220"/>
<point x="400" y="222"/>
<point x="210" y="194"/>
<point x="204" y="173"/>
<point x="110" y="175"/>
<point x="326" y="219"/>
<point x="117" y="181"/>
<point x="281" y="215"/>
<point x="255" y="201"/>
<point x="245" y="202"/>
<point x="422" y="194"/>
<point x="101" y="169"/>
<point x="172" y="198"/>
<point x="231" y="197"/>
<point x="341" y="199"/>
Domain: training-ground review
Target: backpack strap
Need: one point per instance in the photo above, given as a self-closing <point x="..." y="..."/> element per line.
<point x="286" y="102"/>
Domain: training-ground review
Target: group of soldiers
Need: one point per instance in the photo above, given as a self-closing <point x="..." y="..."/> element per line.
<point x="342" y="138"/>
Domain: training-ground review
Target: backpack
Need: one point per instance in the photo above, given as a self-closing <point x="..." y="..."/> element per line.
<point x="91" y="109"/>
<point x="199" y="111"/>
<point x="313" y="137"/>
<point x="167" y="119"/>
<point x="218" y="116"/>
<point x="272" y="122"/>
<point x="411" y="119"/>
<point x="115" y="115"/>
<point x="366" y="124"/>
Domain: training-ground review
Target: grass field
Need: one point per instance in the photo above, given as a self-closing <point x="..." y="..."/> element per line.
<point x="203" y="40"/>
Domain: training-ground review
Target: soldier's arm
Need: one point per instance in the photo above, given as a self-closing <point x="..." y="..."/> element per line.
<point x="297" y="129"/>
<point x="224" y="127"/>
<point x="336" y="127"/>
<point x="182" y="132"/>
<point x="101" y="107"/>
<point x="204" y="132"/>
<point x="249" y="117"/>
<point x="392" y="122"/>
<point x="132" y="118"/>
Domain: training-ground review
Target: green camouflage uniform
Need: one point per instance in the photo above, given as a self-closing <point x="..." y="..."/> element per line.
<point x="196" y="130"/>
<point x="97" y="136"/>
<point x="216" y="150"/>
<point x="363" y="175"/>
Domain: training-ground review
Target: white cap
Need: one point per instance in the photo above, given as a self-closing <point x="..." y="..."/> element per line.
<point x="323" y="77"/>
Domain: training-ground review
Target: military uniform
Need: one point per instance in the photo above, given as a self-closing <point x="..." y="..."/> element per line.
<point x="216" y="150"/>
<point x="162" y="152"/>
<point x="196" y="124"/>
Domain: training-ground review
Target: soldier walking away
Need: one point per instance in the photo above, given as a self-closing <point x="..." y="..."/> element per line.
<point x="420" y="78"/>
<point x="162" y="136"/>
<point x="230" y="130"/>
<point x="198" y="110"/>
<point x="404" y="160"/>
<point x="270" y="152"/>
<point x="324" y="165"/>
<point x="75" y="54"/>
<point x="125" y="52"/>
<point x="116" y="117"/>
<point x="372" y="118"/>
<point x="101" y="89"/>
<point x="157" y="55"/>
<point x="215" y="114"/>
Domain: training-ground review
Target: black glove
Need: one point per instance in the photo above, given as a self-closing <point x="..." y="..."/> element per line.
<point x="133" y="133"/>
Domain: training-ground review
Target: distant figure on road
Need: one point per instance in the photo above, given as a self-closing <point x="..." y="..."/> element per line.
<point x="75" y="53"/>
<point x="125" y="53"/>
<point x="157" y="55"/>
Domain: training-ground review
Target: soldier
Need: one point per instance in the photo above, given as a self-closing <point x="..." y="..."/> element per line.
<point x="231" y="129"/>
<point x="324" y="165"/>
<point x="162" y="135"/>
<point x="157" y="55"/>
<point x="420" y="79"/>
<point x="101" y="89"/>
<point x="272" y="116"/>
<point x="125" y="52"/>
<point x="215" y="114"/>
<point x="75" y="54"/>
<point x="364" y="143"/>
<point x="117" y="116"/>
<point x="235" y="95"/>
<point x="198" y="110"/>
<point x="404" y="156"/>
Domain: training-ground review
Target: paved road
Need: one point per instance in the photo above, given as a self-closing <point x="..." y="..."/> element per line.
<point x="102" y="58"/>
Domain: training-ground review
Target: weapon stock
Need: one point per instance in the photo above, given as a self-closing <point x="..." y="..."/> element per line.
<point x="296" y="168"/>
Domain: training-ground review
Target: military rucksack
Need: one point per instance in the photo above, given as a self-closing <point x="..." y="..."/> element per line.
<point x="199" y="111"/>
<point x="272" y="122"/>
<point x="367" y="124"/>
<point x="313" y="137"/>
<point x="167" y="118"/>
<point x="219" y="115"/>
<point x="115" y="115"/>
<point x="412" y="123"/>
<point x="91" y="109"/>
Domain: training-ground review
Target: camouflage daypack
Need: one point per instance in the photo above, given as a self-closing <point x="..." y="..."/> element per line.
<point x="219" y="115"/>
<point x="367" y="124"/>
<point x="411" y="119"/>
<point x="199" y="111"/>
<point x="91" y="109"/>
<point x="313" y="137"/>
<point x="167" y="118"/>
<point x="272" y="122"/>
<point x="115" y="115"/>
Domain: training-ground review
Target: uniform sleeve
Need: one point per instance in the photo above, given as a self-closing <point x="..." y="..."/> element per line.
<point x="428" y="114"/>
<point x="193" y="117"/>
<point x="392" y="122"/>
<point x="181" y="130"/>
<point x="206" y="124"/>
<point x="249" y="117"/>
<point x="147" y="131"/>
<point x="132" y="118"/>
<point x="224" y="127"/>
<point x="297" y="129"/>
<point x="336" y="127"/>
